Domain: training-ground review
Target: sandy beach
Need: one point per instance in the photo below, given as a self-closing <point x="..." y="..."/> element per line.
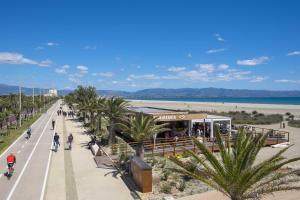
<point x="219" y="107"/>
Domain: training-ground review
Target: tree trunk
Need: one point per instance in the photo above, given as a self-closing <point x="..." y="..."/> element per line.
<point x="140" y="150"/>
<point x="112" y="136"/>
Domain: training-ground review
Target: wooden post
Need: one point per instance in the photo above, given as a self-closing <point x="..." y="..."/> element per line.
<point x="288" y="136"/>
<point x="174" y="148"/>
<point x="152" y="151"/>
<point x="194" y="147"/>
<point x="277" y="135"/>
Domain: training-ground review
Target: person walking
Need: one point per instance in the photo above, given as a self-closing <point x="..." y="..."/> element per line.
<point x="53" y="124"/>
<point x="70" y="141"/>
<point x="56" y="141"/>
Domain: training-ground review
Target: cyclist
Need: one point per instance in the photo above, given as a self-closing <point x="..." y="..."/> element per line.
<point x="10" y="160"/>
<point x="56" y="141"/>
<point x="28" y="133"/>
<point x="53" y="124"/>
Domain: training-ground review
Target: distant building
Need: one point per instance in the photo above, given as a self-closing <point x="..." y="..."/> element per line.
<point x="51" y="93"/>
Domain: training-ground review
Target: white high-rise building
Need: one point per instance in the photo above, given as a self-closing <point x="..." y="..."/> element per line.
<point x="52" y="93"/>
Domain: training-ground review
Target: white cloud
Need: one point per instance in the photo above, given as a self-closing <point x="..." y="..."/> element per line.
<point x="287" y="81"/>
<point x="256" y="79"/>
<point x="90" y="47"/>
<point x="219" y="37"/>
<point x="103" y="74"/>
<point x="65" y="66"/>
<point x="176" y="69"/>
<point x="45" y="63"/>
<point x="52" y="44"/>
<point x="294" y="53"/>
<point x="206" y="67"/>
<point x="254" y="61"/>
<point x="62" y="69"/>
<point x="223" y="66"/>
<point x="144" y="77"/>
<point x="18" y="59"/>
<point x="233" y="74"/>
<point x="209" y="72"/>
<point x="82" y="69"/>
<point x="215" y="50"/>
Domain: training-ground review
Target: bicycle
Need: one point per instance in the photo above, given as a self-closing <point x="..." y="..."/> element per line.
<point x="10" y="170"/>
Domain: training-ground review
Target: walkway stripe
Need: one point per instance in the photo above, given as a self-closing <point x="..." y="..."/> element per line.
<point x="29" y="158"/>
<point x="71" y="190"/>
<point x="19" y="137"/>
<point x="1" y="175"/>
<point x="47" y="169"/>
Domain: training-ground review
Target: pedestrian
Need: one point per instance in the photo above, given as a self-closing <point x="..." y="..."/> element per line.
<point x="70" y="141"/>
<point x="56" y="141"/>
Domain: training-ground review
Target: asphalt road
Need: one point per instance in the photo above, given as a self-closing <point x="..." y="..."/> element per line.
<point x="33" y="156"/>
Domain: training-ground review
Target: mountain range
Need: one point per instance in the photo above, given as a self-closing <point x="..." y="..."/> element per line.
<point x="169" y="93"/>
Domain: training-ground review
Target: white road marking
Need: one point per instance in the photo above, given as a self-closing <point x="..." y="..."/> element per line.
<point x="19" y="138"/>
<point x="48" y="166"/>
<point x="19" y="151"/>
<point x="1" y="175"/>
<point x="29" y="158"/>
<point x="22" y="146"/>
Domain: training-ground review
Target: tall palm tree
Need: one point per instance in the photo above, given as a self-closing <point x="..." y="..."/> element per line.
<point x="101" y="102"/>
<point x="233" y="171"/>
<point x="115" y="110"/>
<point x="141" y="127"/>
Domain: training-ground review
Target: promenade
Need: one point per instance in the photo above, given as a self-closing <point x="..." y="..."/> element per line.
<point x="74" y="174"/>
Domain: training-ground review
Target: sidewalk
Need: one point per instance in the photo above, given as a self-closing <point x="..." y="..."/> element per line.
<point x="90" y="182"/>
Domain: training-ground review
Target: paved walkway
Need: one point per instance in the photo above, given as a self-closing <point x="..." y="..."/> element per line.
<point x="75" y="172"/>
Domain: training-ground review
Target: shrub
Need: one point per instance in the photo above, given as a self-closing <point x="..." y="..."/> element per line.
<point x="162" y="163"/>
<point x="165" y="188"/>
<point x="165" y="175"/>
<point x="181" y="186"/>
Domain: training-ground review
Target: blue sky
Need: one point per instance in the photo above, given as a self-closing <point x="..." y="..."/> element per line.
<point x="132" y="45"/>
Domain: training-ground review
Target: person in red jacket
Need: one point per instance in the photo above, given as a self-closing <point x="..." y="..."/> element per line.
<point x="11" y="160"/>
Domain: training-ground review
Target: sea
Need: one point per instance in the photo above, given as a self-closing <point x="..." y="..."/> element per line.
<point x="265" y="100"/>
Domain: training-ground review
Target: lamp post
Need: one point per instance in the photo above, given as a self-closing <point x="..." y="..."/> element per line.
<point x="20" y="106"/>
<point x="33" y="101"/>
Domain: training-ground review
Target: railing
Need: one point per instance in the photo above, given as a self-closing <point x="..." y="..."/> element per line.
<point x="172" y="146"/>
<point x="274" y="136"/>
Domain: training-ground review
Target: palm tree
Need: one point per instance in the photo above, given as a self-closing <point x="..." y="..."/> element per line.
<point x="115" y="109"/>
<point x="141" y="127"/>
<point x="233" y="171"/>
<point x="101" y="102"/>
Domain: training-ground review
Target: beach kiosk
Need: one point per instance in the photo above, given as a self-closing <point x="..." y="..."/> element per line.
<point x="183" y="123"/>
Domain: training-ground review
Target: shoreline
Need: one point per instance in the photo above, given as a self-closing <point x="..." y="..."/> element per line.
<point x="219" y="106"/>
